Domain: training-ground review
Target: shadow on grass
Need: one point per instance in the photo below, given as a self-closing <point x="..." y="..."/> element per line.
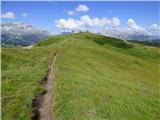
<point x="102" y="40"/>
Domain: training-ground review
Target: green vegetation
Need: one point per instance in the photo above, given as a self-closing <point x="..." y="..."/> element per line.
<point x="154" y="43"/>
<point x="97" y="78"/>
<point x="22" y="70"/>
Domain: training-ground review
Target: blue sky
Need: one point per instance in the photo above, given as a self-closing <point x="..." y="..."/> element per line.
<point x="43" y="14"/>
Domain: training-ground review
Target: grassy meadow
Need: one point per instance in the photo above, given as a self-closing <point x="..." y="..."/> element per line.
<point x="97" y="78"/>
<point x="22" y="71"/>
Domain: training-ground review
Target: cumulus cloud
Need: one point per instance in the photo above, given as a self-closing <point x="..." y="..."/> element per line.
<point x="94" y="22"/>
<point x="85" y="23"/>
<point x="86" y="20"/>
<point x="10" y="15"/>
<point x="79" y="8"/>
<point x="154" y="27"/>
<point x="111" y="26"/>
<point x="69" y="24"/>
<point x="115" y="21"/>
<point x="133" y="25"/>
<point x="82" y="8"/>
<point x="70" y="12"/>
<point x="154" y="30"/>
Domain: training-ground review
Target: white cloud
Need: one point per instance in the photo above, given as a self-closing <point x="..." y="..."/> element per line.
<point x="70" y="12"/>
<point x="104" y="21"/>
<point x="133" y="25"/>
<point x="154" y="27"/>
<point x="115" y="21"/>
<point x="69" y="24"/>
<point x="86" y="20"/>
<point x="82" y="8"/>
<point x="84" y="23"/>
<point x="8" y="15"/>
<point x="99" y="25"/>
<point x="79" y="8"/>
<point x="154" y="30"/>
<point x="94" y="22"/>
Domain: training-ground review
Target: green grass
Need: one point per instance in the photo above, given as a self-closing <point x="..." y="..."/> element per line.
<point x="97" y="78"/>
<point x="22" y="70"/>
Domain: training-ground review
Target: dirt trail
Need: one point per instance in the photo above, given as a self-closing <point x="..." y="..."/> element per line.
<point x="42" y="105"/>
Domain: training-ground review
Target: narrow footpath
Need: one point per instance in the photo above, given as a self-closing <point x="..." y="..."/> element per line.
<point x="42" y="105"/>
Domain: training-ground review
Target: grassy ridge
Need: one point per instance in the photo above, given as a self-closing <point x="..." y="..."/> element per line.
<point x="97" y="78"/>
<point x="97" y="82"/>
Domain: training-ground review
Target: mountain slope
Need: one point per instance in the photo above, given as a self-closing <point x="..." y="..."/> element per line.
<point x="21" y="34"/>
<point x="96" y="78"/>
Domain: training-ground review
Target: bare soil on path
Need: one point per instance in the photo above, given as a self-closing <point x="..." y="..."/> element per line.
<point x="42" y="105"/>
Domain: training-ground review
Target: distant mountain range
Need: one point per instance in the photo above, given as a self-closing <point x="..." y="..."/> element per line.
<point x="147" y="36"/>
<point x="25" y="34"/>
<point x="21" y="34"/>
<point x="150" y="36"/>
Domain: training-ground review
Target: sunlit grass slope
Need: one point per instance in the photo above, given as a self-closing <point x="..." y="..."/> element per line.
<point x="97" y="78"/>
<point x="22" y="71"/>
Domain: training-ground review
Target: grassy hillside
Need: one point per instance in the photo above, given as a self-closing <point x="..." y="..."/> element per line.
<point x="97" y="78"/>
<point x="22" y="71"/>
<point x="154" y="43"/>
